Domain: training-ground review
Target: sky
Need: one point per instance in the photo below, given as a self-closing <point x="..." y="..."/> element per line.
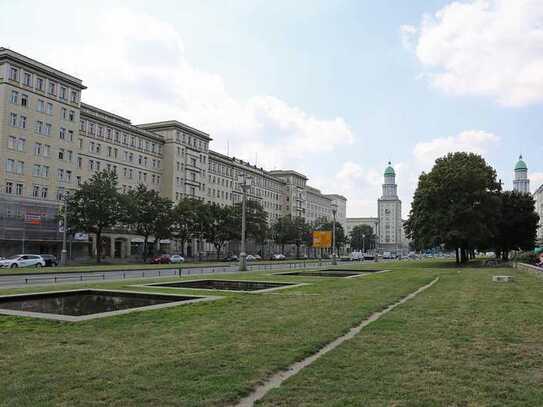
<point x="334" y="89"/>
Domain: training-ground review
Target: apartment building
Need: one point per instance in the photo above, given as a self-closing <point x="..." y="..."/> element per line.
<point x="51" y="142"/>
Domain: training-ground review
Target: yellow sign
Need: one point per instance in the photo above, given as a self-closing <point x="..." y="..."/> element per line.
<point x="322" y="239"/>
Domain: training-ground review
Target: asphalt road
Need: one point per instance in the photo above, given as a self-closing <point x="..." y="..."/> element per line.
<point x="50" y="278"/>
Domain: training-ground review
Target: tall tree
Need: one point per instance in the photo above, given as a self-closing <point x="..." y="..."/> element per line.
<point x="517" y="224"/>
<point x="96" y="206"/>
<point x="148" y="212"/>
<point x="283" y="231"/>
<point x="362" y="237"/>
<point x="455" y="204"/>
<point x="256" y="221"/>
<point x="187" y="219"/>
<point x="219" y="225"/>
<point x="325" y="224"/>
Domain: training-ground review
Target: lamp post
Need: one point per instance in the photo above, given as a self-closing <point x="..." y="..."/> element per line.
<point x="334" y="255"/>
<point x="242" y="255"/>
<point x="64" y="252"/>
<point x="363" y="246"/>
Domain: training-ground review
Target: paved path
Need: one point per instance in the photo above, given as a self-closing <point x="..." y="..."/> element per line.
<point x="48" y="278"/>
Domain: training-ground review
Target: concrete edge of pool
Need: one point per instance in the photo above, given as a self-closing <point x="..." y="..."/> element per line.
<point x="329" y="274"/>
<point x="71" y="318"/>
<point x="264" y="290"/>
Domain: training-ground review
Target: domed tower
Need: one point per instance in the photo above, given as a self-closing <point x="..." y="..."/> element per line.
<point x="390" y="214"/>
<point x="521" y="182"/>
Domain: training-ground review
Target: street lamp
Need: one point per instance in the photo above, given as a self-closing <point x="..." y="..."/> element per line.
<point x="242" y="255"/>
<point x="334" y="255"/>
<point x="64" y="252"/>
<point x="363" y="247"/>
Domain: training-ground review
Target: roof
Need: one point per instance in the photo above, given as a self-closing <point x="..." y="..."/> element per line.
<point x="389" y="171"/>
<point x="521" y="165"/>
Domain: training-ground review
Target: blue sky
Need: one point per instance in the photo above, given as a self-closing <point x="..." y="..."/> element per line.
<point x="331" y="88"/>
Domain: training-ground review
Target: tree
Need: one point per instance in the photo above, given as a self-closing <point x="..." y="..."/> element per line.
<point x="362" y="237"/>
<point x="455" y="204"/>
<point x="219" y="225"/>
<point x="256" y="221"/>
<point x="286" y="230"/>
<point x="149" y="214"/>
<point x="96" y="206"/>
<point x="187" y="217"/>
<point x="517" y="224"/>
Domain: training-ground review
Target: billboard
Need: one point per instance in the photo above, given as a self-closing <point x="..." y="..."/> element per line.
<point x="322" y="239"/>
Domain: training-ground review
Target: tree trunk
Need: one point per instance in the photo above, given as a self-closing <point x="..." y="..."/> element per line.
<point x="145" y="240"/>
<point x="457" y="255"/>
<point x="98" y="246"/>
<point x="218" y="249"/>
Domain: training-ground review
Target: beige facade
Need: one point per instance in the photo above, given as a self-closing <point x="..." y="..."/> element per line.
<point x="51" y="142"/>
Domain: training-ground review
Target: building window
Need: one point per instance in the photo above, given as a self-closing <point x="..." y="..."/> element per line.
<point x="19" y="189"/>
<point x="14" y="97"/>
<point x="49" y="109"/>
<point x="44" y="191"/>
<point x="52" y="88"/>
<point x="35" y="191"/>
<point x="24" y="100"/>
<point x="13" y="119"/>
<point x="62" y="133"/>
<point x="9" y="187"/>
<point x="63" y="93"/>
<point x="27" y="79"/>
<point x="70" y="135"/>
<point x="74" y="96"/>
<point x="13" y="74"/>
<point x="22" y="122"/>
<point x="41" y="106"/>
<point x="39" y="84"/>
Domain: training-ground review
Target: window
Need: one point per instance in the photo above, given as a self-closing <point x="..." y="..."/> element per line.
<point x="35" y="191"/>
<point x="71" y="116"/>
<point x="41" y="106"/>
<point x="62" y="133"/>
<point x="70" y="135"/>
<point x="78" y="178"/>
<point x="22" y="122"/>
<point x="79" y="162"/>
<point x="47" y="129"/>
<point x="27" y="79"/>
<point x="19" y="167"/>
<point x="63" y="93"/>
<point x="13" y="74"/>
<point x="37" y="149"/>
<point x="10" y="165"/>
<point x="46" y="149"/>
<point x="14" y="98"/>
<point x="49" y="108"/>
<point x="13" y="119"/>
<point x="19" y="189"/>
<point x="109" y="151"/>
<point x="82" y="125"/>
<point x="44" y="191"/>
<point x="61" y="154"/>
<point x="60" y="194"/>
<point x="24" y="100"/>
<point x="9" y="187"/>
<point x="52" y="88"/>
<point x="64" y="113"/>
<point x="39" y="84"/>
<point x="60" y="174"/>
<point x="74" y="96"/>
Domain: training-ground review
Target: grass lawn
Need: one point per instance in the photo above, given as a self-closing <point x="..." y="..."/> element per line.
<point x="464" y="342"/>
<point x="202" y="354"/>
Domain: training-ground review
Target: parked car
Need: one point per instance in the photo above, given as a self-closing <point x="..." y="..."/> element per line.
<point x="23" y="260"/>
<point x="231" y="257"/>
<point x="161" y="259"/>
<point x="50" y="260"/>
<point x="250" y="257"/>
<point x="279" y="256"/>
<point x="257" y="257"/>
<point x="176" y="258"/>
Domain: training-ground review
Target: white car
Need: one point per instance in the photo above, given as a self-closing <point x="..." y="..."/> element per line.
<point x="250" y="257"/>
<point x="279" y="256"/>
<point x="23" y="260"/>
<point x="177" y="259"/>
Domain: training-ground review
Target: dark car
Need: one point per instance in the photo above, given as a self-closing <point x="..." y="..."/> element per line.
<point x="161" y="259"/>
<point x="231" y="258"/>
<point x="50" y="260"/>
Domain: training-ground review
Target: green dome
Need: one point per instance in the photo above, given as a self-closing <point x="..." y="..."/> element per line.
<point x="521" y="165"/>
<point x="389" y="171"/>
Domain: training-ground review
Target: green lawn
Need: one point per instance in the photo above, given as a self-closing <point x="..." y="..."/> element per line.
<point x="88" y="268"/>
<point x="465" y="341"/>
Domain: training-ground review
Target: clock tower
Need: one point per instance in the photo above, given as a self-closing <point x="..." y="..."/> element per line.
<point x="389" y="227"/>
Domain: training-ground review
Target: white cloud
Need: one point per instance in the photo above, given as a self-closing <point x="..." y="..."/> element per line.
<point x="474" y="141"/>
<point x="134" y="65"/>
<point x="484" y="47"/>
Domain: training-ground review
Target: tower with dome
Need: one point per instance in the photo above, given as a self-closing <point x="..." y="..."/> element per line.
<point x="389" y="207"/>
<point x="521" y="182"/>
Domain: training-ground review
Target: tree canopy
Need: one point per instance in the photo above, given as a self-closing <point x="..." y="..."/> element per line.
<point x="456" y="204"/>
<point x="362" y="237"/>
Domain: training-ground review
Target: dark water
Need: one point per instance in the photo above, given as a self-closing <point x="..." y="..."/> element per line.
<point x="84" y="302"/>
<point x="224" y="285"/>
